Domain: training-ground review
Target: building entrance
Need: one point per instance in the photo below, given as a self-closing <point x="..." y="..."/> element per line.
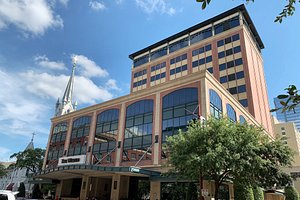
<point x="99" y="188"/>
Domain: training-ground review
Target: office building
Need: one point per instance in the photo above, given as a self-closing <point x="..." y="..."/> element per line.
<point x="288" y="116"/>
<point x="106" y="150"/>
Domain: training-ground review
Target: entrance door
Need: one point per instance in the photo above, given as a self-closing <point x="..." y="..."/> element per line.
<point x="99" y="188"/>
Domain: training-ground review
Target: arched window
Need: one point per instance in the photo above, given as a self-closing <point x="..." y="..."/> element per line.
<point x="215" y="104"/>
<point x="138" y="130"/>
<point x="178" y="108"/>
<point x="106" y="135"/>
<point x="80" y="129"/>
<point x="231" y="113"/>
<point x="57" y="141"/>
<point x="242" y="119"/>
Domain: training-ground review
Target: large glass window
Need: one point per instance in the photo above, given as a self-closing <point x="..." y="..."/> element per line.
<point x="138" y="130"/>
<point x="158" y="53"/>
<point x="59" y="132"/>
<point x="226" y="25"/>
<point x="141" y="60"/>
<point x="201" y="35"/>
<point x="231" y="113"/>
<point x="215" y="104"/>
<point x="178" y="108"/>
<point x="80" y="131"/>
<point x="106" y="135"/>
<point x="179" y="44"/>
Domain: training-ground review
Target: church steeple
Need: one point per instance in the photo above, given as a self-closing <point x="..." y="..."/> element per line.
<point x="66" y="105"/>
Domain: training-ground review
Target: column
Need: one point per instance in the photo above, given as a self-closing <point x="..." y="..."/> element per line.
<point x="120" y="136"/>
<point x="155" y="190"/>
<point x="68" y="137"/>
<point x="91" y="138"/>
<point x="115" y="187"/>
<point x="58" y="189"/>
<point x="203" y="100"/>
<point x="157" y="130"/>
<point x="84" y="187"/>
<point x="47" y="148"/>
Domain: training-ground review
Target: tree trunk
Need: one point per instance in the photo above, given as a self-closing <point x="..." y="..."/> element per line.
<point x="217" y="190"/>
<point x="201" y="197"/>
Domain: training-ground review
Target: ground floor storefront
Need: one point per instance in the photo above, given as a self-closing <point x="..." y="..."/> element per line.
<point x="125" y="183"/>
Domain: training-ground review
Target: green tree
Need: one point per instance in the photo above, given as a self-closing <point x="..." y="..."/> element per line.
<point x="31" y="159"/>
<point x="288" y="9"/>
<point x="2" y="170"/>
<point x="21" y="190"/>
<point x="291" y="193"/>
<point x="289" y="100"/>
<point x="243" y="192"/>
<point x="258" y="193"/>
<point x="222" y="150"/>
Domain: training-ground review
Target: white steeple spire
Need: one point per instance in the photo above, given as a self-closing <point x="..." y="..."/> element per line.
<point x="66" y="106"/>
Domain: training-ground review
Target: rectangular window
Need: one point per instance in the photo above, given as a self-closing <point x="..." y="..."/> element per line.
<point x="223" y="79"/>
<point x="242" y="88"/>
<point x="142" y="60"/>
<point x="208" y="47"/>
<point x="202" y="61"/>
<point x="244" y="102"/>
<point x="208" y="59"/>
<point x="230" y="64"/>
<point x="237" y="49"/>
<point x="229" y="52"/>
<point x="228" y="40"/>
<point x="184" y="67"/>
<point x="195" y="52"/>
<point x="235" y="37"/>
<point x="231" y="77"/>
<point x="238" y="62"/>
<point x="158" y="53"/>
<point x="195" y="63"/>
<point x="240" y="75"/>
<point x="163" y="75"/>
<point x="233" y="90"/>
<point x="172" y="71"/>
<point x="220" y="43"/>
<point x="178" y="45"/>
<point x="221" y="54"/>
<point x="201" y="35"/>
<point x="222" y="66"/>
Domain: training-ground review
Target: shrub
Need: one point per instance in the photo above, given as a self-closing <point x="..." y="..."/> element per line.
<point x="243" y="192"/>
<point x="291" y="193"/>
<point x="258" y="193"/>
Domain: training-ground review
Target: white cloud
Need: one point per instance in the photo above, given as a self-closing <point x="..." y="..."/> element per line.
<point x="112" y="84"/>
<point x="151" y="6"/>
<point x="96" y="5"/>
<point x="43" y="61"/>
<point x="30" y="16"/>
<point x="89" y="68"/>
<point x="50" y="86"/>
<point x="18" y="111"/>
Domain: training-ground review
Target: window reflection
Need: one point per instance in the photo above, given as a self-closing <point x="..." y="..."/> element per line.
<point x="138" y="130"/>
<point x="106" y="136"/>
<point x="179" y="107"/>
<point x="80" y="131"/>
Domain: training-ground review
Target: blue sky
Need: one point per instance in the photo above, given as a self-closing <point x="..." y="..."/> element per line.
<point x="38" y="38"/>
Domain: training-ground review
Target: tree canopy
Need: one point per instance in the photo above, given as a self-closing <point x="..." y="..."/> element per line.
<point x="288" y="9"/>
<point x="2" y="170"/>
<point x="222" y="150"/>
<point x="31" y="159"/>
<point x="290" y="100"/>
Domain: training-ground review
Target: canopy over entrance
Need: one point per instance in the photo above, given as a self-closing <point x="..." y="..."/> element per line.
<point x="77" y="171"/>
